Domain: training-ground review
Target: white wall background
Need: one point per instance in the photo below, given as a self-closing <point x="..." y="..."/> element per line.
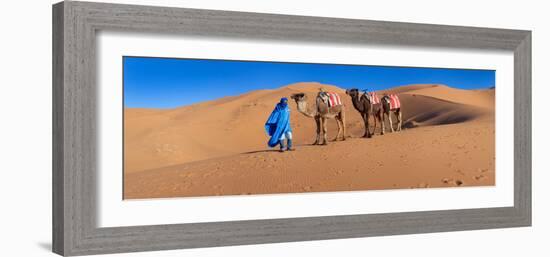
<point x="25" y="127"/>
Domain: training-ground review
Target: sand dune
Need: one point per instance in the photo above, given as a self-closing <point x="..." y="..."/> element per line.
<point x="480" y="98"/>
<point x="210" y="129"/>
<point x="219" y="147"/>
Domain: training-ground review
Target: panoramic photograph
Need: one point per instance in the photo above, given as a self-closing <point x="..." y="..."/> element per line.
<point x="205" y="127"/>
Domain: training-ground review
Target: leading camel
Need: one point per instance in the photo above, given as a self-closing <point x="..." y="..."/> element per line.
<point x="321" y="114"/>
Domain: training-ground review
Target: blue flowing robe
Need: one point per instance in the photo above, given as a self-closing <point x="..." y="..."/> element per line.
<point x="278" y="124"/>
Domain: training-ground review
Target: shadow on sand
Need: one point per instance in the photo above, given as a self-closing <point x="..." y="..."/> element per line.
<point x="262" y="151"/>
<point x="276" y="150"/>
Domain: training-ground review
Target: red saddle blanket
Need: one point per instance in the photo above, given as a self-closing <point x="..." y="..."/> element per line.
<point x="373" y="98"/>
<point x="394" y="102"/>
<point x="333" y="99"/>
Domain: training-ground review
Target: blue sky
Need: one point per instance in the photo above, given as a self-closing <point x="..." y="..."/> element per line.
<point x="169" y="82"/>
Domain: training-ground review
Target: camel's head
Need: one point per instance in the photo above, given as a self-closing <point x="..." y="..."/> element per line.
<point x="299" y="97"/>
<point x="301" y="103"/>
<point x="352" y="92"/>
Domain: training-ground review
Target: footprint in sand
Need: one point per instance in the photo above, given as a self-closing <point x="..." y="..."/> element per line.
<point x="447" y="180"/>
<point x="457" y="182"/>
<point x="480" y="177"/>
<point x="482" y="170"/>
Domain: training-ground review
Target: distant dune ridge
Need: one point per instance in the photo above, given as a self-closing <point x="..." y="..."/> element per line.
<point x="220" y="147"/>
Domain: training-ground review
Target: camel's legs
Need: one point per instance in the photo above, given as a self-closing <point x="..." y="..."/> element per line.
<point x="376" y="119"/>
<point x="366" y="122"/>
<point x="318" y="123"/>
<point x="343" y="120"/>
<point x="341" y="127"/>
<point x="391" y="122"/>
<point x="381" y="120"/>
<point x="383" y="123"/>
<point x="337" y="119"/>
<point x="399" y="120"/>
<point x="324" y="123"/>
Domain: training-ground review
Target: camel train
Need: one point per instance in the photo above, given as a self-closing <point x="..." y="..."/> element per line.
<point x="329" y="106"/>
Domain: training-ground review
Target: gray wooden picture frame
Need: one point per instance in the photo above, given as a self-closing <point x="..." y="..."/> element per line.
<point x="75" y="25"/>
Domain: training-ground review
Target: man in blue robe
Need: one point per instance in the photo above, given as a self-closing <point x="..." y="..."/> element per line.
<point x="278" y="128"/>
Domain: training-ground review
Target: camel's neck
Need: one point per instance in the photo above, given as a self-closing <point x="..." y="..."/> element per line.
<point x="302" y="108"/>
<point x="356" y="103"/>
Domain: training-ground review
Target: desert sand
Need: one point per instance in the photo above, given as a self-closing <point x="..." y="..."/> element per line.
<point x="220" y="147"/>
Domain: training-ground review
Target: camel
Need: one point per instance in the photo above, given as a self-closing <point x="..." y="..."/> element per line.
<point x="321" y="114"/>
<point x="363" y="105"/>
<point x="388" y="111"/>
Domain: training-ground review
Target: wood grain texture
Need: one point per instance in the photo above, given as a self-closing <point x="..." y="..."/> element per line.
<point x="522" y="128"/>
<point x="58" y="230"/>
<point x="75" y="25"/>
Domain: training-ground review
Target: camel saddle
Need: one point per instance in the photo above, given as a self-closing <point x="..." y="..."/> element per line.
<point x="372" y="96"/>
<point x="329" y="98"/>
